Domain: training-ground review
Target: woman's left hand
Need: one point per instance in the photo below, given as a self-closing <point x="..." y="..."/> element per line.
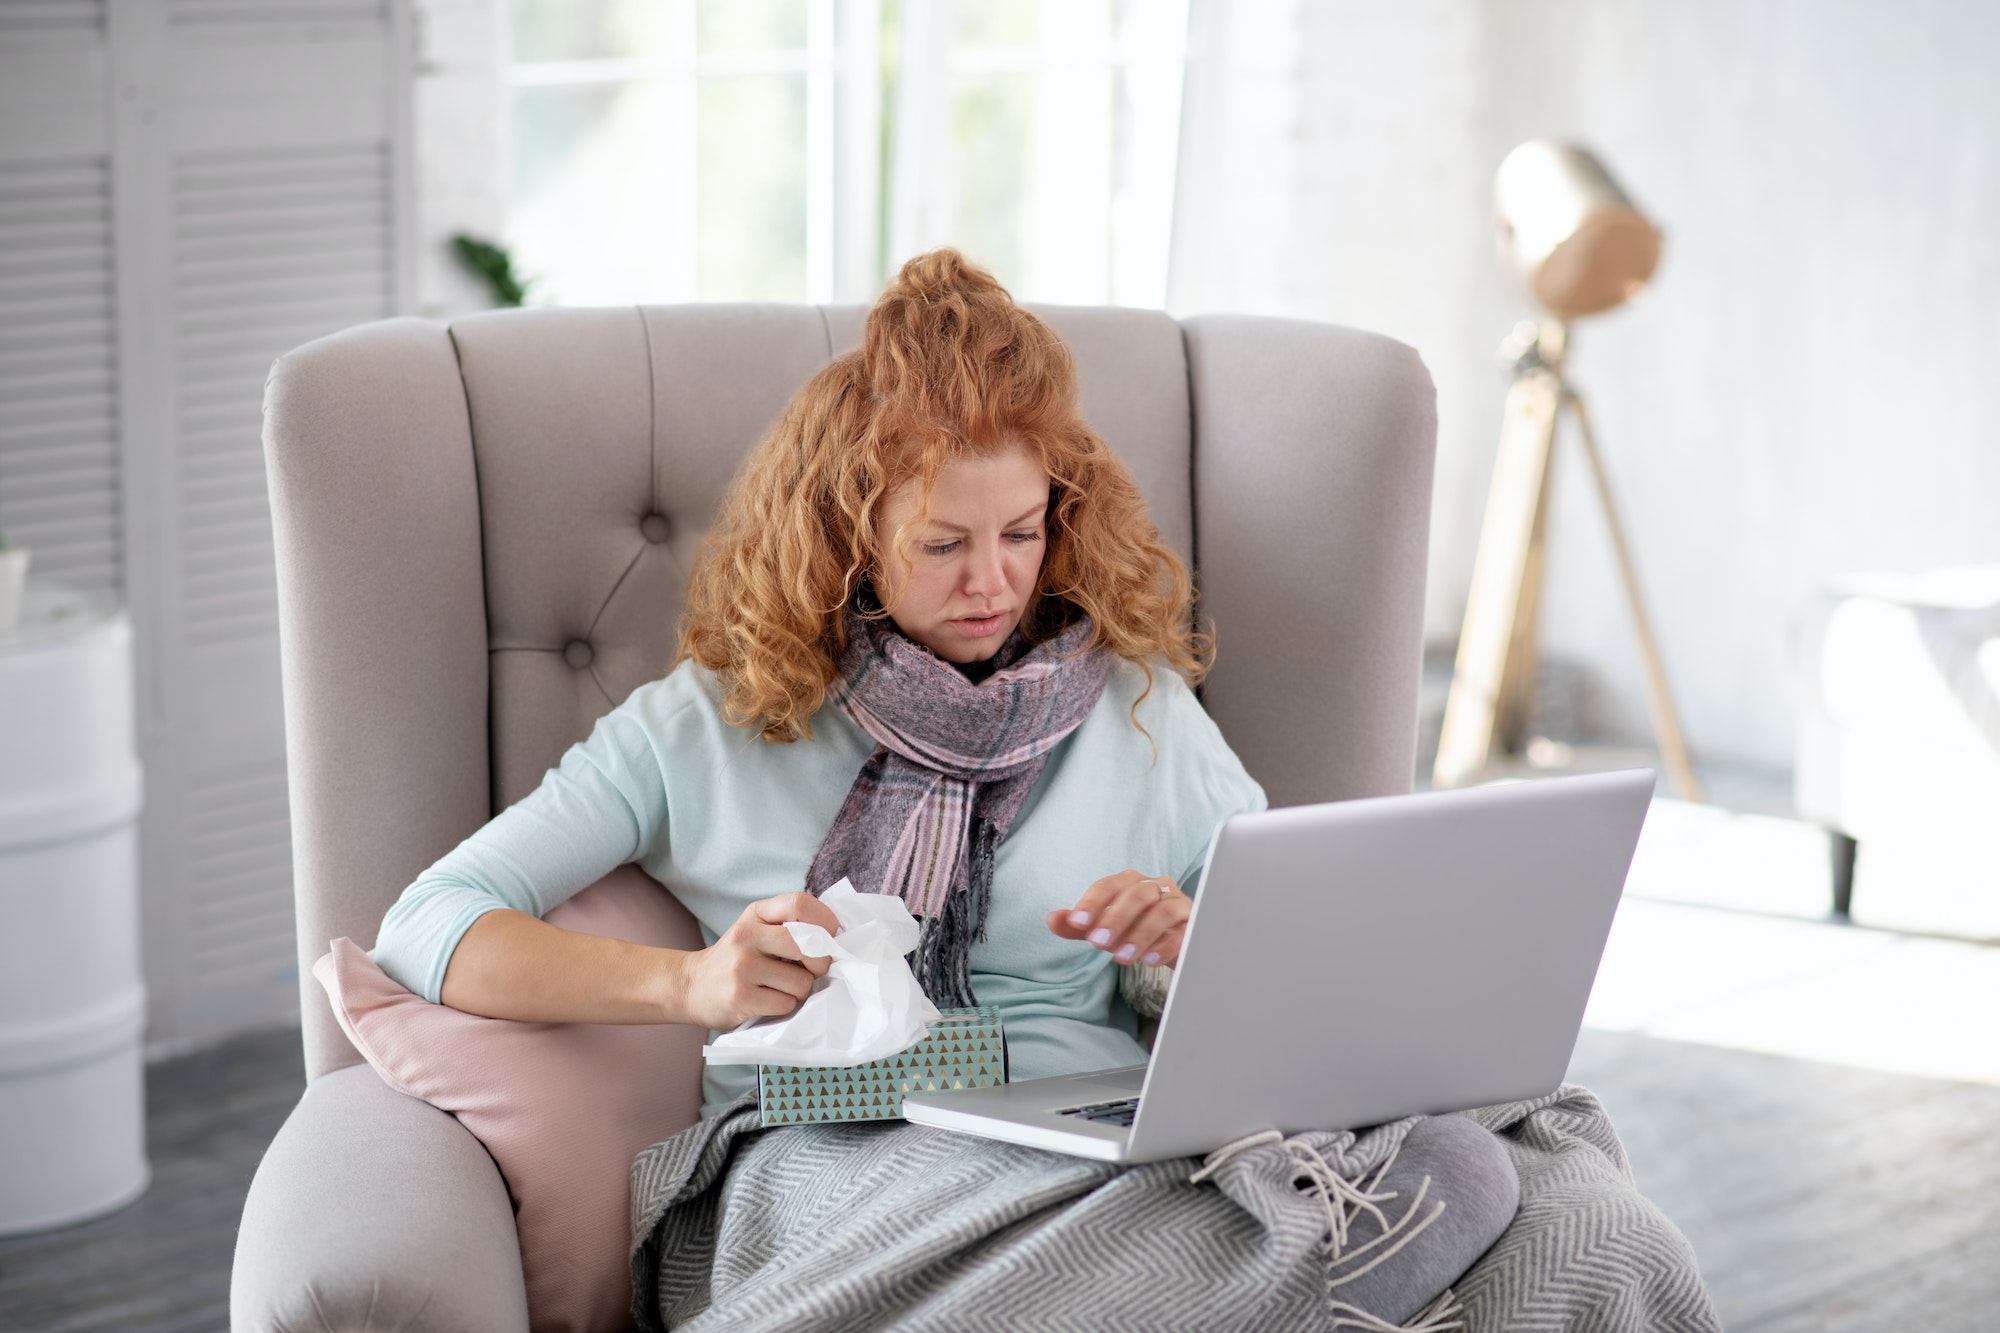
<point x="1133" y="917"/>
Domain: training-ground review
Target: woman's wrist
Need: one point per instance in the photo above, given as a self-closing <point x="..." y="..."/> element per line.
<point x="671" y="985"/>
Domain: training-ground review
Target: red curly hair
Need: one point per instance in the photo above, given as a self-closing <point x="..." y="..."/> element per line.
<point x="948" y="366"/>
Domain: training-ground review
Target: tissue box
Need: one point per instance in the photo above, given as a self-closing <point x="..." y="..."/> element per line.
<point x="965" y="1048"/>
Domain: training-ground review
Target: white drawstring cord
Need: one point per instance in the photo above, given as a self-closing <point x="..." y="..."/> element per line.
<point x="1409" y="1233"/>
<point x="1344" y="1201"/>
<point x="1213" y="1162"/>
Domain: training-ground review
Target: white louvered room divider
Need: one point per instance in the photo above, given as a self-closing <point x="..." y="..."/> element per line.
<point x="188" y="189"/>
<point x="58" y="379"/>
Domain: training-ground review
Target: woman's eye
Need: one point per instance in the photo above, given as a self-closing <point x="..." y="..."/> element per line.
<point x="940" y="548"/>
<point x="1024" y="537"/>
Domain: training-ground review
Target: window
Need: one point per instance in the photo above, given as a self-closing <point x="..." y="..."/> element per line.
<point x="1040" y="137"/>
<point x="788" y="150"/>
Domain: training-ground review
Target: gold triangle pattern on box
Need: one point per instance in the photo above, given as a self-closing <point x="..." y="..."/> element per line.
<point x="965" y="1048"/>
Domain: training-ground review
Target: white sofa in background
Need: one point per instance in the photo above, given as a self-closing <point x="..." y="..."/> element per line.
<point x="1899" y="727"/>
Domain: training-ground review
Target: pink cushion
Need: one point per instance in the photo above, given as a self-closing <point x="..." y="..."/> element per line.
<point x="563" y="1107"/>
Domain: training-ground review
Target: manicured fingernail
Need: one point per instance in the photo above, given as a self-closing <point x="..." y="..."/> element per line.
<point x="1151" y="960"/>
<point x="1101" y="936"/>
<point x="1079" y="919"/>
<point x="1125" y="952"/>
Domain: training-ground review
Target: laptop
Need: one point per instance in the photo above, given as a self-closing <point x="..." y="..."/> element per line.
<point x="1351" y="963"/>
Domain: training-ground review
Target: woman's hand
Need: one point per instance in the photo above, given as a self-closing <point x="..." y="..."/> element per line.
<point x="1133" y="917"/>
<point x="755" y="970"/>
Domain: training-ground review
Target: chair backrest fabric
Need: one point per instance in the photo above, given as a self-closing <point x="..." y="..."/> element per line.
<point x="484" y="533"/>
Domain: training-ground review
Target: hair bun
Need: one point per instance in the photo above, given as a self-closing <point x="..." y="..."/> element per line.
<point x="940" y="275"/>
<point x="950" y="353"/>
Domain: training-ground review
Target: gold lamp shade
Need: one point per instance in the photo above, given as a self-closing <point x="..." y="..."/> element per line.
<point x="1569" y="231"/>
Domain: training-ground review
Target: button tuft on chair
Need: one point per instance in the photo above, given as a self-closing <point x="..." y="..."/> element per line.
<point x="579" y="654"/>
<point x="654" y="527"/>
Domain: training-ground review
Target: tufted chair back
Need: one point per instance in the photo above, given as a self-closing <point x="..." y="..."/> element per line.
<point x="484" y="533"/>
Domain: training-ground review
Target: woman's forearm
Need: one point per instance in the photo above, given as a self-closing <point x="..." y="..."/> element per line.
<point x="512" y="965"/>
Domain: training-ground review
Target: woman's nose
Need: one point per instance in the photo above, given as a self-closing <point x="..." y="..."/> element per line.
<point x="985" y="574"/>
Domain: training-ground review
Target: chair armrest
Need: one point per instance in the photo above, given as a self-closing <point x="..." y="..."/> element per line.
<point x="375" y="1210"/>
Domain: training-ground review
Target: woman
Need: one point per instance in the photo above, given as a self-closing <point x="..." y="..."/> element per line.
<point x="934" y="645"/>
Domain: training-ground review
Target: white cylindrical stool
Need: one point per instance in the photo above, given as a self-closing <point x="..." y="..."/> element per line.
<point x="72" y="1006"/>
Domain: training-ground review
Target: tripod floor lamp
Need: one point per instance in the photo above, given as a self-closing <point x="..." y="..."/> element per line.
<point x="1567" y="228"/>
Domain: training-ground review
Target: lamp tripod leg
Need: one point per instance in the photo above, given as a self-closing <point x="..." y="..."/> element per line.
<point x="1666" y="722"/>
<point x="1492" y="679"/>
<point x="1514" y="711"/>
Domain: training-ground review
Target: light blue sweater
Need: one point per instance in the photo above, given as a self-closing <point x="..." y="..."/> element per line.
<point x="723" y="818"/>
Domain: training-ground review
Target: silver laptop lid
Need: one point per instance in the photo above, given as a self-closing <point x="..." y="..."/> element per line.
<point x="1445" y="945"/>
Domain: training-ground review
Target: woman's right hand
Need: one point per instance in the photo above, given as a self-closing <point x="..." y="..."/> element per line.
<point x="755" y="970"/>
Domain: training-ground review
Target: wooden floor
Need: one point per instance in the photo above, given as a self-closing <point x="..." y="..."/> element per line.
<point x="1817" y="1197"/>
<point x="163" y="1263"/>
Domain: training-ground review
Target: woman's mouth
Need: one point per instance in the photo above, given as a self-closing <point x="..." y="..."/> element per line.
<point x="980" y="627"/>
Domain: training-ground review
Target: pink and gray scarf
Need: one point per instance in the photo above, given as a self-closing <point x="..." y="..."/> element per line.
<point x="953" y="765"/>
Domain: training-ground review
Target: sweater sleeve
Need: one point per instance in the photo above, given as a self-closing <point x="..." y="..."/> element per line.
<point x="603" y="805"/>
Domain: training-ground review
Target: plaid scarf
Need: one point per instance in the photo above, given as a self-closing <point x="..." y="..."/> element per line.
<point x="952" y="766"/>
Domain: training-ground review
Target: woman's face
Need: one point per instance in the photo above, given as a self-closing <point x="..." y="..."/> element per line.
<point x="967" y="572"/>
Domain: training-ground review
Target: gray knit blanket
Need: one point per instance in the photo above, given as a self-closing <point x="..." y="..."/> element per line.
<point x="892" y="1225"/>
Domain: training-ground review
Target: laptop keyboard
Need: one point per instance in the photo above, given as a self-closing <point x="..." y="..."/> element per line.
<point x="1107" y="1113"/>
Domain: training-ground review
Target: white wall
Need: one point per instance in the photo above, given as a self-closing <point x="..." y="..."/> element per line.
<point x="1330" y="170"/>
<point x="1808" y="389"/>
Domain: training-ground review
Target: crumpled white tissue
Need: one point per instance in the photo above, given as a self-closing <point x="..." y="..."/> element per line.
<point x="868" y="1004"/>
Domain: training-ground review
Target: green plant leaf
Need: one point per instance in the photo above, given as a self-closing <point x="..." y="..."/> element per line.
<point x="493" y="265"/>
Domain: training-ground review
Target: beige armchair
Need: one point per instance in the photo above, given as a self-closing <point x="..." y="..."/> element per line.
<point x="483" y="534"/>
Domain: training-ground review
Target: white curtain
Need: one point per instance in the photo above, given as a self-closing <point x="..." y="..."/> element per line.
<point x="1233" y="217"/>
